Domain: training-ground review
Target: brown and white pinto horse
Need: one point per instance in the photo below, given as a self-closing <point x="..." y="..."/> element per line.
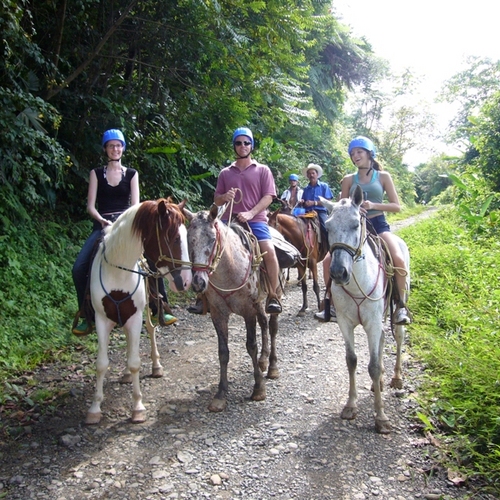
<point x="156" y="230"/>
<point x="299" y="232"/>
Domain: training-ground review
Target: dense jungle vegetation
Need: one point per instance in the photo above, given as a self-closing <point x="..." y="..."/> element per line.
<point x="178" y="77"/>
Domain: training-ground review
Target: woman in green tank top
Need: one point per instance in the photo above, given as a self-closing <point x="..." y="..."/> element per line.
<point x="375" y="183"/>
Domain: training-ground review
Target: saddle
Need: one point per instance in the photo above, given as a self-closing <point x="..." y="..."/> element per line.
<point x="381" y="252"/>
<point x="286" y="253"/>
<point x="312" y="221"/>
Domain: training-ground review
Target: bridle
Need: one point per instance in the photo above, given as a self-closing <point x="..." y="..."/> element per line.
<point x="216" y="254"/>
<point x="355" y="253"/>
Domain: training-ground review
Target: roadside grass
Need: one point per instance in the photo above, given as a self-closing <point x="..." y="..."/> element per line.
<point x="455" y="299"/>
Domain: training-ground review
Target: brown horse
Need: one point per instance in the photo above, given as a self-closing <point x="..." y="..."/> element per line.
<point x="299" y="232"/>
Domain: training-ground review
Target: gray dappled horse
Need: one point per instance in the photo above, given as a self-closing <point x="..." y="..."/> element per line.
<point x="223" y="270"/>
<point x="359" y="285"/>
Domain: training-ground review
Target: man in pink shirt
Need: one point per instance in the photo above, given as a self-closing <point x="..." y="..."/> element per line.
<point x="256" y="183"/>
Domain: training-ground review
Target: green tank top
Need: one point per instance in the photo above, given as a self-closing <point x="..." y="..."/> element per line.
<point x="372" y="191"/>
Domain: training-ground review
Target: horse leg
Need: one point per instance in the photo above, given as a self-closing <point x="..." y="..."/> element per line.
<point x="157" y="368"/>
<point x="220" y="322"/>
<point x="302" y="274"/>
<point x="133" y="327"/>
<point x="314" y="269"/>
<point x="350" y="409"/>
<point x="273" y="371"/>
<point x="263" y="323"/>
<point x="397" y="379"/>
<point x="259" y="388"/>
<point x="376" y="370"/>
<point x="103" y="330"/>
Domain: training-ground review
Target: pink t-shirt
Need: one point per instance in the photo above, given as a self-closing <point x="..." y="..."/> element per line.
<point x="255" y="182"/>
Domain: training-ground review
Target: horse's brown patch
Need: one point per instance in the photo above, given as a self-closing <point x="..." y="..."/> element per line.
<point x="119" y="306"/>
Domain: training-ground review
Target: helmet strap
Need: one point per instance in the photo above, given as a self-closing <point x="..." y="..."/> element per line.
<point x="113" y="159"/>
<point x="370" y="169"/>
<point x="242" y="157"/>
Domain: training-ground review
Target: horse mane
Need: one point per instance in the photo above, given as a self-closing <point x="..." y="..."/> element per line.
<point x="151" y="212"/>
<point x="117" y="236"/>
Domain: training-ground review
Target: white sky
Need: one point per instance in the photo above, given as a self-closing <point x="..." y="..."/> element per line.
<point x="431" y="37"/>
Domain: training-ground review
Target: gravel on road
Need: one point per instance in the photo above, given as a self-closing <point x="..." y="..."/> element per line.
<point x="293" y="445"/>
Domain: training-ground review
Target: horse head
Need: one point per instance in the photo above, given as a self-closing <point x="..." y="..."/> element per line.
<point x="160" y="225"/>
<point x="345" y="237"/>
<point x="203" y="236"/>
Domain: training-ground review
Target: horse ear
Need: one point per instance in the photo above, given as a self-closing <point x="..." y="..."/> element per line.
<point x="162" y="207"/>
<point x="214" y="210"/>
<point x="189" y="215"/>
<point x="357" y="196"/>
<point x="327" y="204"/>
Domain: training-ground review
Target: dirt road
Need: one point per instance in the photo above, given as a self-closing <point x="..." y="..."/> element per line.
<point x="293" y="445"/>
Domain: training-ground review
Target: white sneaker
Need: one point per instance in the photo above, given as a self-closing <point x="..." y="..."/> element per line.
<point x="401" y="317"/>
<point x="320" y="316"/>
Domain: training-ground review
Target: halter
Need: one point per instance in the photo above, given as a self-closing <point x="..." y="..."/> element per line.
<point x="357" y="255"/>
<point x="146" y="272"/>
<point x="177" y="263"/>
<point x="218" y="251"/>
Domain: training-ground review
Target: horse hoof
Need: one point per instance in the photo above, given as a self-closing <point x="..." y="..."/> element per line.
<point x="273" y="373"/>
<point x="258" y="395"/>
<point x="348" y="413"/>
<point x="263" y="365"/>
<point x="93" y="418"/>
<point x="397" y="383"/>
<point x="126" y="379"/>
<point x="217" y="405"/>
<point x="157" y="372"/>
<point x="383" y="426"/>
<point x="301" y="314"/>
<point x="138" y="416"/>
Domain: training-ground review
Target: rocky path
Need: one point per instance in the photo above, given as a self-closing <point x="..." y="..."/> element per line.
<point x="293" y="445"/>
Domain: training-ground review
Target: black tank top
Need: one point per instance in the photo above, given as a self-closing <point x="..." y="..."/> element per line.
<point x="112" y="199"/>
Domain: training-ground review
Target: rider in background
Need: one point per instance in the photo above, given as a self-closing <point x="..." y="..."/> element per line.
<point x="257" y="190"/>
<point x="375" y="183"/>
<point x="112" y="189"/>
<point x="293" y="194"/>
<point x="310" y="201"/>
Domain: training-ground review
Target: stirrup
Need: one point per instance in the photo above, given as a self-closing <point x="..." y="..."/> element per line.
<point x="273" y="306"/>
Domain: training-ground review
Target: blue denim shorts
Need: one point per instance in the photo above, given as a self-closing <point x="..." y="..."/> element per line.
<point x="380" y="224"/>
<point x="260" y="230"/>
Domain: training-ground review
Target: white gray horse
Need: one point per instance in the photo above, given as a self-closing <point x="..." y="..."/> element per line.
<point x="359" y="285"/>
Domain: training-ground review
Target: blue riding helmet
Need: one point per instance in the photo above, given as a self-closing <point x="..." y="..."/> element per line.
<point x="363" y="142"/>
<point x="243" y="131"/>
<point x="113" y="135"/>
<point x="293" y="177"/>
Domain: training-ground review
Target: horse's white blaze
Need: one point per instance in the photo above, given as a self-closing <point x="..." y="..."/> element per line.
<point x="186" y="273"/>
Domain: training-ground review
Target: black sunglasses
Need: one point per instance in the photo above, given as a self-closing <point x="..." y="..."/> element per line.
<point x="242" y="143"/>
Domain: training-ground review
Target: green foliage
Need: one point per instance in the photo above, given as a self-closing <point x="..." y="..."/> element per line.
<point x="431" y="178"/>
<point x="456" y="302"/>
<point x="470" y="89"/>
<point x="473" y="201"/>
<point x="37" y="300"/>
<point x="176" y="77"/>
<point x="485" y="141"/>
